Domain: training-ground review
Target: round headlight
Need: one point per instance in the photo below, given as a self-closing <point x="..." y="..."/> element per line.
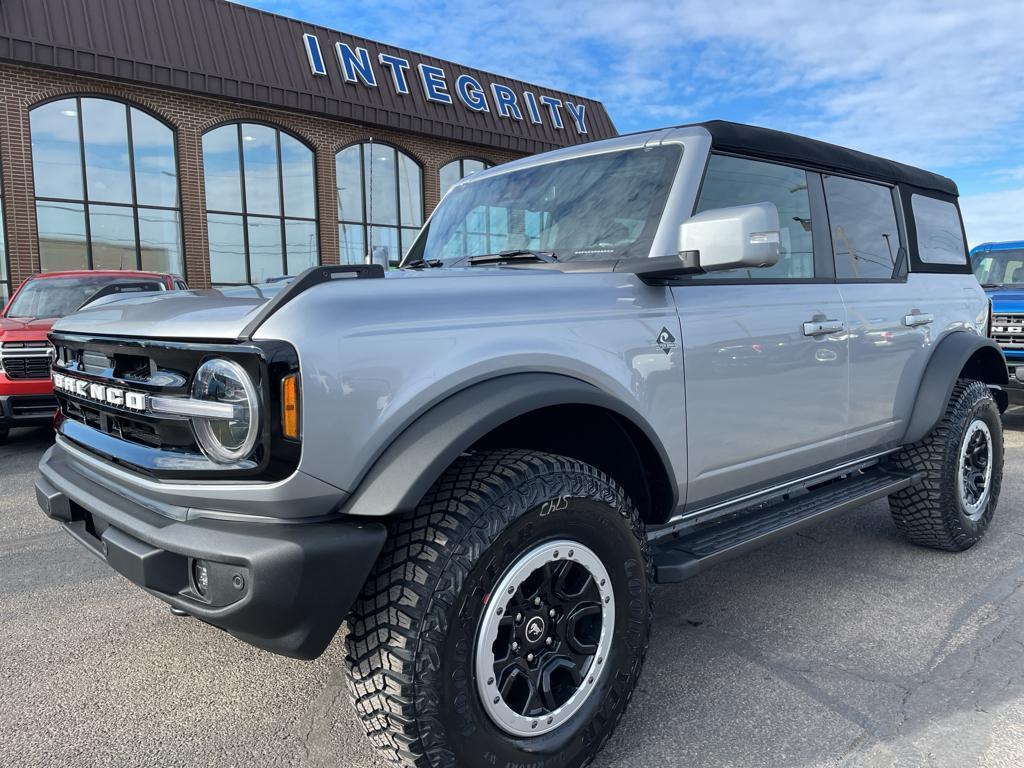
<point x="226" y="440"/>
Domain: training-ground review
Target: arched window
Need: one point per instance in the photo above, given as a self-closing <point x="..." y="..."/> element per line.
<point x="457" y="170"/>
<point x="260" y="204"/>
<point x="5" y="276"/>
<point x="380" y="203"/>
<point x="106" y="185"/>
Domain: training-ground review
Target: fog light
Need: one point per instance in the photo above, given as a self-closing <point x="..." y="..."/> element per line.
<point x="201" y="576"/>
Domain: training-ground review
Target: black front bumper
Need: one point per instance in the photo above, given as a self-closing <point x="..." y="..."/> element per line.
<point x="27" y="410"/>
<point x="285" y="587"/>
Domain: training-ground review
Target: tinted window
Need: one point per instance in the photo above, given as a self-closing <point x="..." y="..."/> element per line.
<point x="865" y="237"/>
<point x="734" y="181"/>
<point x="1000" y="268"/>
<point x="250" y="170"/>
<point x="940" y="238"/>
<point x="380" y="203"/>
<point x="130" y="182"/>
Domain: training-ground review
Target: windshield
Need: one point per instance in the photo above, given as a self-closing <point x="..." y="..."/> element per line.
<point x="603" y="206"/>
<point x="60" y="296"/>
<point x="1000" y="268"/>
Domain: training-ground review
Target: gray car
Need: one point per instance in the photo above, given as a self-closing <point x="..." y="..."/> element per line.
<point x="598" y="369"/>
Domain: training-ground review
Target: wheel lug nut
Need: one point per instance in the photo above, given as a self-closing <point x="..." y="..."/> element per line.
<point x="551" y="613"/>
<point x="548" y="641"/>
<point x="515" y="646"/>
<point x="529" y="657"/>
<point x="497" y="699"/>
<point x="513" y="589"/>
<point x="519" y="618"/>
<point x="501" y="611"/>
<point x="490" y="681"/>
<point x="536" y="601"/>
<point x="607" y="599"/>
<point x="556" y="554"/>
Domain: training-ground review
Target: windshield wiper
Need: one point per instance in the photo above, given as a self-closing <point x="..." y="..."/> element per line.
<point x="991" y="285"/>
<point x="521" y="254"/>
<point x="424" y="264"/>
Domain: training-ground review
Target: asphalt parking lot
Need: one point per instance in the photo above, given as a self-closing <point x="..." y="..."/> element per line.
<point x="840" y="647"/>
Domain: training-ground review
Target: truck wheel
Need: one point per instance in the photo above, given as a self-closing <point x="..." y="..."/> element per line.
<point x="507" y="619"/>
<point x="961" y="461"/>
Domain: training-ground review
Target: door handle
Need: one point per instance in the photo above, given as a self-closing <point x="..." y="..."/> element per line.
<point x="820" y="326"/>
<point x="917" y="317"/>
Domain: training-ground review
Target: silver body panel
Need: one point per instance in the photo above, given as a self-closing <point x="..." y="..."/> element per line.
<point x="741" y="402"/>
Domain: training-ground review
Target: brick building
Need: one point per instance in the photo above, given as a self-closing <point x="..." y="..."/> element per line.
<point x="231" y="145"/>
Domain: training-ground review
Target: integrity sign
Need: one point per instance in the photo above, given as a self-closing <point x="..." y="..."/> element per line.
<point x="359" y="68"/>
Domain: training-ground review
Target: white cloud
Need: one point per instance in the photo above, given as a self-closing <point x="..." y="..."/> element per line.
<point x="940" y="84"/>
<point x="993" y="216"/>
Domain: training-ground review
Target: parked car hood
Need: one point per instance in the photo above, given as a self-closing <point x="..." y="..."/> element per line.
<point x="25" y="328"/>
<point x="1008" y="300"/>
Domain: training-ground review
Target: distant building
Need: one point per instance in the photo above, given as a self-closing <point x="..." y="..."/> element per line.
<point x="230" y="145"/>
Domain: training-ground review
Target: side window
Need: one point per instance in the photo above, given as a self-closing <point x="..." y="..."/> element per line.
<point x="865" y="236"/>
<point x="736" y="181"/>
<point x="940" y="238"/>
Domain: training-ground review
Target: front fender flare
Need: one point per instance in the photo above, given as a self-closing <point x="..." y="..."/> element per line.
<point x="417" y="457"/>
<point x="947" y="362"/>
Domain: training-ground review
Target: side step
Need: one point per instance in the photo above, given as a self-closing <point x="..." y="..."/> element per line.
<point x="683" y="557"/>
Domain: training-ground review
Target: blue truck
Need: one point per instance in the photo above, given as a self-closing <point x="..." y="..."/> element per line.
<point x="999" y="268"/>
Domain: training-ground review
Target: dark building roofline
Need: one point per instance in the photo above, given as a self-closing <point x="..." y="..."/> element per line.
<point x="227" y="50"/>
<point x="788" y="147"/>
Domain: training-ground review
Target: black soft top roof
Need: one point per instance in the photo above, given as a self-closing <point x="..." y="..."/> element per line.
<point x="788" y="147"/>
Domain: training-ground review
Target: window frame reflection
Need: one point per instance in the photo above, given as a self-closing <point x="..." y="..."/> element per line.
<point x="408" y="206"/>
<point x="74" y="107"/>
<point x="241" y="214"/>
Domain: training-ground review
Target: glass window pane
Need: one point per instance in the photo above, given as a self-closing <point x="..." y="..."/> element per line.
<point x="349" y="178"/>
<point x="160" y="240"/>
<point x="384" y="248"/>
<point x="350" y="241"/>
<point x="940" y="238"/>
<point x="221" y="169"/>
<point x="410" y="188"/>
<point x="108" y="172"/>
<point x="450" y="174"/>
<point x="301" y="243"/>
<point x="299" y="183"/>
<point x="156" y="174"/>
<point x="62" y="236"/>
<point x="408" y="238"/>
<point x="259" y="153"/>
<point x="113" y="237"/>
<point x="56" y="152"/>
<point x="734" y="181"/>
<point x="470" y="167"/>
<point x="864" y="233"/>
<point x="266" y="257"/>
<point x="226" y="237"/>
<point x="379" y="161"/>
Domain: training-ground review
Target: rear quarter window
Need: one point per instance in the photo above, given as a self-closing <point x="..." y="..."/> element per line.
<point x="940" y="237"/>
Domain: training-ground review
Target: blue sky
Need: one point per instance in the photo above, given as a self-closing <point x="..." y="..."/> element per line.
<point x="938" y="84"/>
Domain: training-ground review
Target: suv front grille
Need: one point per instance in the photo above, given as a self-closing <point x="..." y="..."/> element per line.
<point x="1008" y="330"/>
<point x="26" y="359"/>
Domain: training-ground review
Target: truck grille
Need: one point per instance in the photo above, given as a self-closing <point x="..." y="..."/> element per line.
<point x="26" y="359"/>
<point x="1008" y="330"/>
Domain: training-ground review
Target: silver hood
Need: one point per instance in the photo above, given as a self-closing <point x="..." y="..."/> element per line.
<point x="194" y="315"/>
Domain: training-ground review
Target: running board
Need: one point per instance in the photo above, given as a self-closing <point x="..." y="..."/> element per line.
<point x="683" y="557"/>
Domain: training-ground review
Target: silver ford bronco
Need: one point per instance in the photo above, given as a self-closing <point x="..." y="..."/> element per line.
<point x="597" y="369"/>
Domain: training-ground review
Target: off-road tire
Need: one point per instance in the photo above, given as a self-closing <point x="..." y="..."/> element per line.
<point x="931" y="513"/>
<point x="411" y="634"/>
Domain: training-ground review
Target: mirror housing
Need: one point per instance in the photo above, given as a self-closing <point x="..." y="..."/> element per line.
<point x="744" y="236"/>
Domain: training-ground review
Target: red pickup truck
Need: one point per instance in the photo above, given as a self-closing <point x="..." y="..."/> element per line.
<point x="26" y="394"/>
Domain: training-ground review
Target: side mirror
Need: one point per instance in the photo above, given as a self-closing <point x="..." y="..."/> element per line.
<point x="712" y="241"/>
<point x="732" y="238"/>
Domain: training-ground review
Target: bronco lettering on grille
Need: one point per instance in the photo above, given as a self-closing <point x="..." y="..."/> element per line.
<point x="116" y="396"/>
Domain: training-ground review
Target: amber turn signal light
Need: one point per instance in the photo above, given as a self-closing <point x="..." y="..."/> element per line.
<point x="290" y="406"/>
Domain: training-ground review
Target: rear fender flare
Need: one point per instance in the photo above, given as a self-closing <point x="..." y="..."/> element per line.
<point x="947" y="363"/>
